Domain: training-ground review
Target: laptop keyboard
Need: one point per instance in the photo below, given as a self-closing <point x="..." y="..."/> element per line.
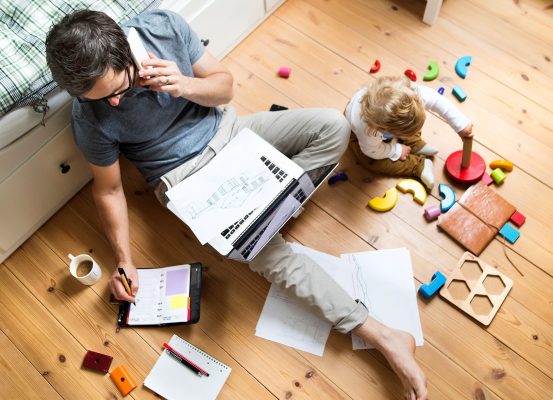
<point x="277" y="172"/>
<point x="300" y="196"/>
<point x="246" y="252"/>
<point x="234" y="226"/>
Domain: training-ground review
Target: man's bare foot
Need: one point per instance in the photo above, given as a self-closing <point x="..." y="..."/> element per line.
<point x="398" y="348"/>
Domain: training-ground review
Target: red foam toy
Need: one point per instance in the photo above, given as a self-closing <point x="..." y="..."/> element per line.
<point x="518" y="219"/>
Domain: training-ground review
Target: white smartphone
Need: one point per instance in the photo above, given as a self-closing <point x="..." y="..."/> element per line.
<point x="138" y="51"/>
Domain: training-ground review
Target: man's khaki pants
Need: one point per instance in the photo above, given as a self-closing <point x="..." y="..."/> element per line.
<point x="311" y="138"/>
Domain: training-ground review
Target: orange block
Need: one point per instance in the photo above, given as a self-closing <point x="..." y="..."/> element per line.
<point x="124" y="381"/>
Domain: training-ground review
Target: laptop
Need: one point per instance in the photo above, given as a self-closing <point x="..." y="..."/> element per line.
<point x="244" y="239"/>
<point x="244" y="195"/>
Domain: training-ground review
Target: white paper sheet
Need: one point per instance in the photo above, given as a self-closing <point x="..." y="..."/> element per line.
<point x="383" y="281"/>
<point x="284" y="320"/>
<point x="230" y="186"/>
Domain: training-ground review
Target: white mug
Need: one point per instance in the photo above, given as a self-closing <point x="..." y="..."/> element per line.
<point x="94" y="272"/>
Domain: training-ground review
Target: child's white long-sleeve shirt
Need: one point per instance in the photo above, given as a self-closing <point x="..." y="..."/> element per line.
<point x="375" y="147"/>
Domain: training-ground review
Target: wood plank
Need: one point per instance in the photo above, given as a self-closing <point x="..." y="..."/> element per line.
<point x="351" y="28"/>
<point x="444" y="327"/>
<point x="19" y="377"/>
<point x="139" y="347"/>
<point x="48" y="346"/>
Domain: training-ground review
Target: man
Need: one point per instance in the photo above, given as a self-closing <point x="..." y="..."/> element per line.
<point x="165" y="120"/>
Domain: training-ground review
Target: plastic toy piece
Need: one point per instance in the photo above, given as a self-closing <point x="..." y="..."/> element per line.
<point x="438" y="280"/>
<point x="124" y="381"/>
<point x="486" y="179"/>
<point x="465" y="165"/>
<point x="97" y="361"/>
<point x="432" y="212"/>
<point x="385" y="203"/>
<point x="498" y="176"/>
<point x="376" y="67"/>
<point x="518" y="219"/>
<point x="414" y="187"/>
<point x="340" y="176"/>
<point x="459" y="93"/>
<point x="284" y="72"/>
<point x="433" y="71"/>
<point x="448" y="196"/>
<point x="510" y="233"/>
<point x="505" y="165"/>
<point x="441" y="90"/>
<point x="461" y="66"/>
<point x="409" y="73"/>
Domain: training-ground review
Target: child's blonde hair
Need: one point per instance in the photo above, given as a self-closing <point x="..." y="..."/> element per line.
<point x="392" y="105"/>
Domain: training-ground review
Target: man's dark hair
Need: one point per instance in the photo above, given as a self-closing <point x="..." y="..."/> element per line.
<point x="82" y="46"/>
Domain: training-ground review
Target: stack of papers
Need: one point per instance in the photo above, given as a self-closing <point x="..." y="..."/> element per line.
<point x="382" y="280"/>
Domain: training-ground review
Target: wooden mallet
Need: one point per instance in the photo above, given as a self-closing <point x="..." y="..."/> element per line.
<point x="465" y="165"/>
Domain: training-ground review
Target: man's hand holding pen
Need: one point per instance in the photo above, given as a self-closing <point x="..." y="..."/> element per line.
<point x="118" y="288"/>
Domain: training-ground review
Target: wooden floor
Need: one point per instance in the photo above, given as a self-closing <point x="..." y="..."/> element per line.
<point x="47" y="321"/>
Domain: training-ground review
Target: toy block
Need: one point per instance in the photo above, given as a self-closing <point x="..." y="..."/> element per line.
<point x="518" y="219"/>
<point x="432" y="212"/>
<point x="123" y="380"/>
<point x="438" y="280"/>
<point x="414" y="187"/>
<point x="459" y="93"/>
<point x="461" y="66"/>
<point x="284" y="72"/>
<point x="97" y="361"/>
<point x="441" y="90"/>
<point x="505" y="165"/>
<point x="476" y="217"/>
<point x="498" y="176"/>
<point x="385" y="203"/>
<point x="376" y="67"/>
<point x="486" y="179"/>
<point x="409" y="73"/>
<point x="510" y="233"/>
<point x="476" y="288"/>
<point x="433" y="71"/>
<point x="448" y="196"/>
<point x="340" y="176"/>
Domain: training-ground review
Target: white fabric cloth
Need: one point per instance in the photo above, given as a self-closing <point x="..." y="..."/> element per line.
<point x="375" y="147"/>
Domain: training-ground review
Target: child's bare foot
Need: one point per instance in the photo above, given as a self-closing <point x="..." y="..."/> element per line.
<point x="398" y="348"/>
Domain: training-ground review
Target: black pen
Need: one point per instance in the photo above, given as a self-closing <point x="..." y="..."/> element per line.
<point x="185" y="361"/>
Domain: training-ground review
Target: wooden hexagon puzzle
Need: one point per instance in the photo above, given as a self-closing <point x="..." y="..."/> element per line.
<point x="476" y="288"/>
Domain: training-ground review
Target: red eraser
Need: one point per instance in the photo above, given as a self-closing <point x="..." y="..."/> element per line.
<point x="487" y="179"/>
<point x="284" y="72"/>
<point x="98" y="361"/>
<point x="518" y="219"/>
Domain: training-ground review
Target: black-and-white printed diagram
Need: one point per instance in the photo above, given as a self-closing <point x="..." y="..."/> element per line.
<point x="233" y="193"/>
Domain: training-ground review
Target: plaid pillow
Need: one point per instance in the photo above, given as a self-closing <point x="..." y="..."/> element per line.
<point x="24" y="75"/>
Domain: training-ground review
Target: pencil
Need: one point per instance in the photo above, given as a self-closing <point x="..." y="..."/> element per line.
<point x="125" y="281"/>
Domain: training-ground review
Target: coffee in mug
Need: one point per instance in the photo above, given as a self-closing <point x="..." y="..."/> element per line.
<point x="84" y="269"/>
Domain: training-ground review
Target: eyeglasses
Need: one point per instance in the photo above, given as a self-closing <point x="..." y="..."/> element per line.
<point x="131" y="84"/>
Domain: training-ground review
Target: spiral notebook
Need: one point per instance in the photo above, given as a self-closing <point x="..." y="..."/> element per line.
<point x="173" y="381"/>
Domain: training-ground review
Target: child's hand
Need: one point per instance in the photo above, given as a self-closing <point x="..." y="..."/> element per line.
<point x="405" y="151"/>
<point x="467" y="132"/>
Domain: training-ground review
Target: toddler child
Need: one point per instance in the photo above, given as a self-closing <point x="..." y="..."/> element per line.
<point x="394" y="107"/>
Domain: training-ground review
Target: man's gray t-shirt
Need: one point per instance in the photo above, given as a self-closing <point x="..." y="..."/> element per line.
<point x="155" y="131"/>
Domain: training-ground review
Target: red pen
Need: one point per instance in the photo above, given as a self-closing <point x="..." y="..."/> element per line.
<point x="185" y="361"/>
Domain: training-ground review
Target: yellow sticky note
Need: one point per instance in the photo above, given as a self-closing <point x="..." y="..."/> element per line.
<point x="178" y="301"/>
